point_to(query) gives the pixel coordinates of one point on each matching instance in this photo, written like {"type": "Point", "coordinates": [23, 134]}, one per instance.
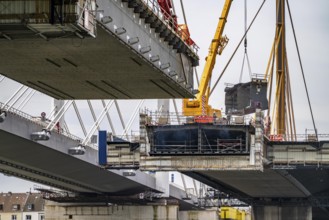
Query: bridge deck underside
{"type": "Point", "coordinates": [73, 68]}
{"type": "Point", "coordinates": [294, 183]}
{"type": "Point", "coordinates": [31, 160]}
{"type": "Point", "coordinates": [252, 183]}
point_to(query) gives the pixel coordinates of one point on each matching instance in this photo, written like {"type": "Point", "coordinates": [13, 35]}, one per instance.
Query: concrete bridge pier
{"type": "Point", "coordinates": [282, 212]}
{"type": "Point", "coordinates": [64, 211]}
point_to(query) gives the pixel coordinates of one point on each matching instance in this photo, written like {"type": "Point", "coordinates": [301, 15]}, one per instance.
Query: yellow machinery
{"type": "Point", "coordinates": [229, 213]}
{"type": "Point", "coordinates": [200, 106]}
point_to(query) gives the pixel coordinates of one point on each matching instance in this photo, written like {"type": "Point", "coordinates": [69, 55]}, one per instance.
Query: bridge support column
{"type": "Point", "coordinates": [282, 212]}
{"type": "Point", "coordinates": [204, 214]}
{"type": "Point", "coordinates": [100, 211]}
{"type": "Point", "coordinates": [64, 211]}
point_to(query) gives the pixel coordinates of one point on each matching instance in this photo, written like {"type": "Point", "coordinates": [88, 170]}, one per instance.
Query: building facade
{"type": "Point", "coordinates": [21, 206]}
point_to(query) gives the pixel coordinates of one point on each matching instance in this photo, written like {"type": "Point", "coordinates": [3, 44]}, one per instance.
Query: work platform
{"type": "Point", "coordinates": [112, 50]}
{"type": "Point", "coordinates": [199, 139]}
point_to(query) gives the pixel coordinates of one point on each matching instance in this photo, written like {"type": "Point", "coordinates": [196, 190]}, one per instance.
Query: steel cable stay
{"type": "Point", "coordinates": [52, 112]}
{"type": "Point", "coordinates": [185, 21]}
{"type": "Point", "coordinates": [13, 96]}
{"type": "Point", "coordinates": [237, 47]}
{"type": "Point", "coordinates": [76, 109]}
{"type": "Point", "coordinates": [18, 98]}
{"type": "Point", "coordinates": [64, 109]}
{"type": "Point", "coordinates": [59, 115]}
{"type": "Point", "coordinates": [302, 69]}
{"type": "Point", "coordinates": [79, 118]}
{"type": "Point", "coordinates": [109, 118]}
{"type": "Point", "coordinates": [26, 100]}
{"type": "Point", "coordinates": [96, 122]}
{"type": "Point", "coordinates": [92, 112]}
{"type": "Point", "coordinates": [245, 54]}
{"type": "Point", "coordinates": [2, 78]}
{"type": "Point", "coordinates": [194, 69]}
{"type": "Point", "coordinates": [99, 119]}
{"type": "Point", "coordinates": [120, 115]}
{"type": "Point", "coordinates": [23, 96]}
{"type": "Point", "coordinates": [66, 127]}
{"type": "Point", "coordinates": [132, 118]}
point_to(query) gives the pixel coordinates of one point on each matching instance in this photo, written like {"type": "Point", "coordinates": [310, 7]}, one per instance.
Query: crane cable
{"type": "Point", "coordinates": [245, 55]}
{"type": "Point", "coordinates": [183, 10]}
{"type": "Point", "coordinates": [302, 69]}
{"type": "Point", "coordinates": [185, 22]}
{"type": "Point", "coordinates": [236, 49]}
{"type": "Point", "coordinates": [180, 56]}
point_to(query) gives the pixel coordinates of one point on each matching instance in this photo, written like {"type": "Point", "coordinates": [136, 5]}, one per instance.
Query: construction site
{"type": "Point", "coordinates": [135, 132]}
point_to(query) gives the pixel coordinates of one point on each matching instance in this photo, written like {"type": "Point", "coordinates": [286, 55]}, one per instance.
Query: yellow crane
{"type": "Point", "coordinates": [200, 105]}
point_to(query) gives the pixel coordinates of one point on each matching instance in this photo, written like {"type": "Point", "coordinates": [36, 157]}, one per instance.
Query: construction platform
{"type": "Point", "coordinates": [236, 157]}
{"type": "Point", "coordinates": [108, 51]}
{"type": "Point", "coordinates": [199, 139]}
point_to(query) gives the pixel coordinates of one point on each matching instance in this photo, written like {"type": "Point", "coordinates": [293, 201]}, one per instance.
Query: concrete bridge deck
{"type": "Point", "coordinates": [49, 163]}
{"type": "Point", "coordinates": [269, 173]}
{"type": "Point", "coordinates": [131, 57]}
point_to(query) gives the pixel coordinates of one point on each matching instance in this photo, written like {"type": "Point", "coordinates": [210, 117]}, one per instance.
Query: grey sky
{"type": "Point", "coordinates": [312, 28]}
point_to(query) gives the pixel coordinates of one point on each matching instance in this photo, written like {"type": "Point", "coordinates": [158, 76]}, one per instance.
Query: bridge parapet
{"type": "Point", "coordinates": [300, 154]}
{"type": "Point", "coordinates": [144, 28]}
{"type": "Point", "coordinates": [197, 163]}
{"type": "Point", "coordinates": [47, 19]}
{"type": "Point", "coordinates": [38, 124]}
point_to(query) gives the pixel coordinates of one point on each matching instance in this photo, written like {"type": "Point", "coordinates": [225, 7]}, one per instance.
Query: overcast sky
{"type": "Point", "coordinates": [312, 29]}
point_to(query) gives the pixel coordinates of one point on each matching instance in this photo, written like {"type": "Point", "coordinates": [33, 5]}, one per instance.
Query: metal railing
{"type": "Point", "coordinates": [42, 123]}
{"type": "Point", "coordinates": [171, 24]}
{"type": "Point", "coordinates": [86, 12]}
{"type": "Point", "coordinates": [298, 137]}
{"type": "Point", "coordinates": [172, 118]}
{"type": "Point", "coordinates": [158, 118]}
{"type": "Point", "coordinates": [170, 148]}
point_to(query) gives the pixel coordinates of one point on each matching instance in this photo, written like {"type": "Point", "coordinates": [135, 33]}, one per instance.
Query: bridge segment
{"type": "Point", "coordinates": [109, 50]}
{"type": "Point", "coordinates": [237, 158]}
{"type": "Point", "coordinates": [49, 163]}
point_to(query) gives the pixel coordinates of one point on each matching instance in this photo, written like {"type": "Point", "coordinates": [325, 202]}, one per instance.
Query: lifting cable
{"type": "Point", "coordinates": [245, 55]}
{"type": "Point", "coordinates": [185, 22]}
{"type": "Point", "coordinates": [183, 10]}
{"type": "Point", "coordinates": [181, 57]}
{"type": "Point", "coordinates": [237, 47]}
{"type": "Point", "coordinates": [302, 69]}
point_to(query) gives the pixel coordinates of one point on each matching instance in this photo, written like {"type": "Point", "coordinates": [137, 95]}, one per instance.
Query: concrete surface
{"type": "Point", "coordinates": [282, 213]}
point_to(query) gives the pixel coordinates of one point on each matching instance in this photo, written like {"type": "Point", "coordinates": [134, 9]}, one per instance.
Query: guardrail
{"type": "Point", "coordinates": [298, 137]}
{"type": "Point", "coordinates": [86, 11]}
{"type": "Point", "coordinates": [171, 118]}
{"type": "Point", "coordinates": [171, 24]}
{"type": "Point", "coordinates": [157, 118]}
{"type": "Point", "coordinates": [42, 123]}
